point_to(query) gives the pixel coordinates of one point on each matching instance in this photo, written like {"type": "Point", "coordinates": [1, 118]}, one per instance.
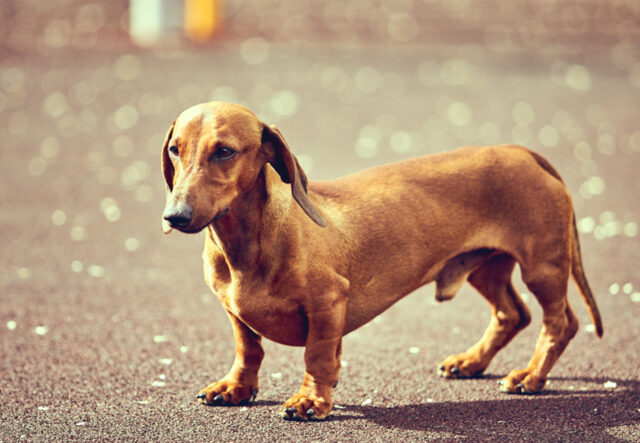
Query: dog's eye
{"type": "Point", "coordinates": [173, 150]}
{"type": "Point", "coordinates": [223, 153]}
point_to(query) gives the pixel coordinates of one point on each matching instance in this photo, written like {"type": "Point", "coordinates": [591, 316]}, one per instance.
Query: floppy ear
{"type": "Point", "coordinates": [167, 165]}
{"type": "Point", "coordinates": [287, 166]}
{"type": "Point", "coordinates": [167, 170]}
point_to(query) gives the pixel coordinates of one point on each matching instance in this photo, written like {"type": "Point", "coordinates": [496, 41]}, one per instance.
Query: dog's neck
{"type": "Point", "coordinates": [250, 236]}
{"type": "Point", "coordinates": [237, 234]}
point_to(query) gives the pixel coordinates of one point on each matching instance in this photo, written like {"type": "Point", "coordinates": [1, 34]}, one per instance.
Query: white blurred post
{"type": "Point", "coordinates": [145, 21]}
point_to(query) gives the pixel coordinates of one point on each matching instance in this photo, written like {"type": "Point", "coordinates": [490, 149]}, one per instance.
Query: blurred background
{"type": "Point", "coordinates": [88, 89]}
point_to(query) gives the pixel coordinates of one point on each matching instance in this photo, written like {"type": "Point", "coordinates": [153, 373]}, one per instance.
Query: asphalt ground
{"type": "Point", "coordinates": [107, 330]}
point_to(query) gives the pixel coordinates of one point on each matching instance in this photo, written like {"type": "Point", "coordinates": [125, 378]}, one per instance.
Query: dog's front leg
{"type": "Point", "coordinates": [322, 361]}
{"type": "Point", "coordinates": [241, 383]}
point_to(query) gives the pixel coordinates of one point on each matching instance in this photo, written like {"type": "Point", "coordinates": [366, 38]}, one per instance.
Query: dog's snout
{"type": "Point", "coordinates": [179, 215]}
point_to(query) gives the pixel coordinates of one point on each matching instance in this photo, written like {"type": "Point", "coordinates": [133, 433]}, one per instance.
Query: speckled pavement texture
{"type": "Point", "coordinates": [108, 332]}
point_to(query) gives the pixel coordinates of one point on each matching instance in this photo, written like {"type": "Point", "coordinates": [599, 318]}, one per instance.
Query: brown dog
{"type": "Point", "coordinates": [309, 271]}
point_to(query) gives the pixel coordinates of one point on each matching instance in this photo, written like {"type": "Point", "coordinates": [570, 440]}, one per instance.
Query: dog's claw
{"type": "Point", "coordinates": [454, 370]}
{"type": "Point", "coordinates": [500, 382]}
{"type": "Point", "coordinates": [218, 399]}
{"type": "Point", "coordinates": [290, 413]}
{"type": "Point", "coordinates": [523, 390]}
{"type": "Point", "coordinates": [201, 395]}
{"type": "Point", "coordinates": [441, 368]}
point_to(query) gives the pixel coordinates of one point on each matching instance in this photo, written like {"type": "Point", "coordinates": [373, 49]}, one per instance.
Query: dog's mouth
{"type": "Point", "coordinates": [220, 214]}
{"type": "Point", "coordinates": [195, 230]}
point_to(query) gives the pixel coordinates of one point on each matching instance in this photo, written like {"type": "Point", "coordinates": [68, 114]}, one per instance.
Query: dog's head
{"type": "Point", "coordinates": [212, 155]}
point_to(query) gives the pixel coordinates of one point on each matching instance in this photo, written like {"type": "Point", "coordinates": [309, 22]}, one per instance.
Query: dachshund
{"type": "Point", "coordinates": [305, 263]}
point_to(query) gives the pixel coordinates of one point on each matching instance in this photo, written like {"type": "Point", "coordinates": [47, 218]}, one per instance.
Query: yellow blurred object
{"type": "Point", "coordinates": [202, 19]}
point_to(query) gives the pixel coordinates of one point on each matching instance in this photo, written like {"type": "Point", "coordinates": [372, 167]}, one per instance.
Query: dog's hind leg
{"type": "Point", "coordinates": [559, 324]}
{"type": "Point", "coordinates": [509, 315]}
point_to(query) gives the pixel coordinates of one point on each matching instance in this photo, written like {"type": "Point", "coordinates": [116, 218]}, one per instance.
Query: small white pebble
{"type": "Point", "coordinates": [143, 402]}
{"type": "Point", "coordinates": [342, 407]}
{"type": "Point", "coordinates": [80, 423]}
{"type": "Point", "coordinates": [414, 350]}
{"type": "Point", "coordinates": [610, 384]}
{"type": "Point", "coordinates": [429, 400]}
{"type": "Point", "coordinates": [162, 376]}
{"type": "Point", "coordinates": [158, 384]}
{"type": "Point", "coordinates": [614, 288]}
{"type": "Point", "coordinates": [635, 297]}
{"type": "Point", "coordinates": [277, 375]}
{"type": "Point", "coordinates": [627, 288]}
{"type": "Point", "coordinates": [165, 361]}
{"type": "Point", "coordinates": [11, 325]}
{"type": "Point", "coordinates": [367, 402]}
{"type": "Point", "coordinates": [160, 339]}
{"type": "Point", "coordinates": [41, 330]}
{"type": "Point", "coordinates": [590, 328]}
{"type": "Point", "coordinates": [344, 363]}
{"type": "Point", "coordinates": [244, 409]}
{"type": "Point", "coordinates": [183, 349]}
{"type": "Point", "coordinates": [43, 408]}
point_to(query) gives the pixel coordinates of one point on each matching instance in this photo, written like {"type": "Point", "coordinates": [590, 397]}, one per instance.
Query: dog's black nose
{"type": "Point", "coordinates": [178, 216]}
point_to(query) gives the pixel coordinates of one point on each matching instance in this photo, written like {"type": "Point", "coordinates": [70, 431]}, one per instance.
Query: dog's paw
{"type": "Point", "coordinates": [303, 408]}
{"type": "Point", "coordinates": [227, 393]}
{"type": "Point", "coordinates": [461, 366]}
{"type": "Point", "coordinates": [521, 381]}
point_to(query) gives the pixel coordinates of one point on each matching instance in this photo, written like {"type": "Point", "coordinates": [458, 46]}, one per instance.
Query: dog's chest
{"type": "Point", "coordinates": [269, 315]}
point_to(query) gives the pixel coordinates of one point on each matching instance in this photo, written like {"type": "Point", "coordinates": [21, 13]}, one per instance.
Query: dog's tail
{"type": "Point", "coordinates": [581, 281]}
{"type": "Point", "coordinates": [577, 271]}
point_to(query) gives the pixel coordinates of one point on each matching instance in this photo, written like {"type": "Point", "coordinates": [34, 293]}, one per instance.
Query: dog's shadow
{"type": "Point", "coordinates": [594, 412]}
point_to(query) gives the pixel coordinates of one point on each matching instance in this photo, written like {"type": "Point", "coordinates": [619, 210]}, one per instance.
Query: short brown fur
{"type": "Point", "coordinates": [307, 270]}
